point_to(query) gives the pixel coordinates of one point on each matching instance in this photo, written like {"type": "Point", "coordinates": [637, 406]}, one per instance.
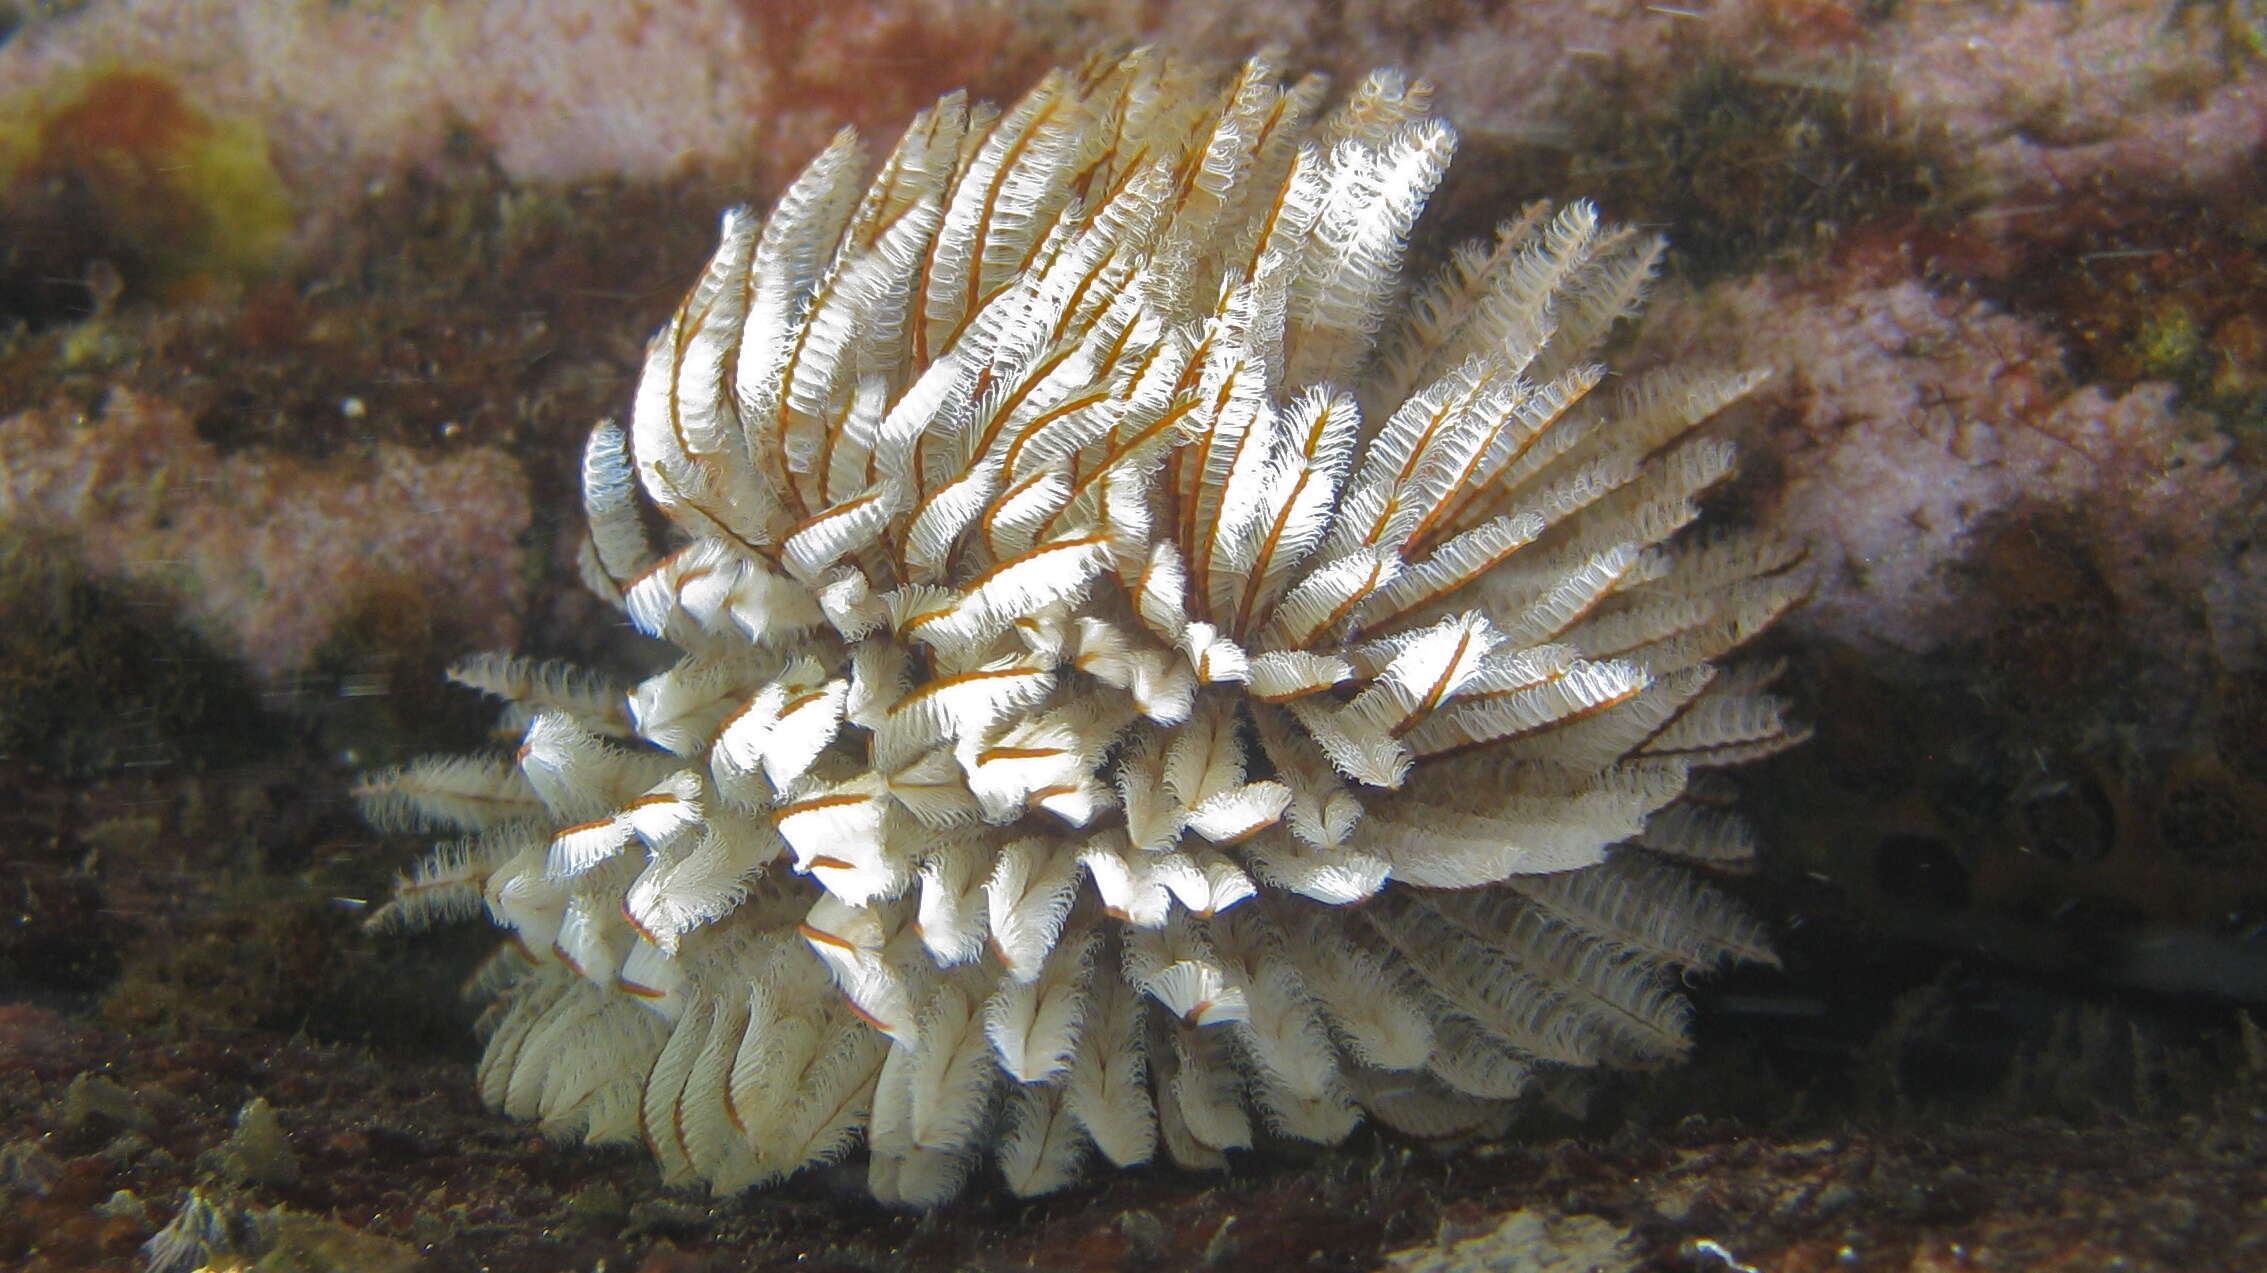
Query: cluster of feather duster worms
{"type": "Point", "coordinates": [1150, 679]}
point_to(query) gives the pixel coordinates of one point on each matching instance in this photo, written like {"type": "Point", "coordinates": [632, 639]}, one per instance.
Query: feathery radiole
{"type": "Point", "coordinates": [1148, 679]}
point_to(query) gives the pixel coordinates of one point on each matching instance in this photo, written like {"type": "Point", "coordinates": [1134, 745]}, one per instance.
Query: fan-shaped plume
{"type": "Point", "coordinates": [1143, 682]}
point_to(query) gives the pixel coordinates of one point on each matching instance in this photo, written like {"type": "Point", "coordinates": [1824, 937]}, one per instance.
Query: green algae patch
{"type": "Point", "coordinates": [120, 173]}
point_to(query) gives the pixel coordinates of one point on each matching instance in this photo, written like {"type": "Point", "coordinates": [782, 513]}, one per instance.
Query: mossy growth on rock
{"type": "Point", "coordinates": [94, 679]}
{"type": "Point", "coordinates": [1747, 166]}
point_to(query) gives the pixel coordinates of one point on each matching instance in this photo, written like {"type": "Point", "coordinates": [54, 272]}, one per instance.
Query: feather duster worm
{"type": "Point", "coordinates": [1147, 682]}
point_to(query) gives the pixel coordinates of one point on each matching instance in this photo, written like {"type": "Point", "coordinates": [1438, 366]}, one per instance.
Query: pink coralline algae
{"type": "Point", "coordinates": [1908, 424]}
{"type": "Point", "coordinates": [2045, 97]}
{"type": "Point", "coordinates": [267, 554]}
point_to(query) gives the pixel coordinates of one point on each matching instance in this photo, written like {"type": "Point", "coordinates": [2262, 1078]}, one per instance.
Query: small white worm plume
{"type": "Point", "coordinates": [1149, 680]}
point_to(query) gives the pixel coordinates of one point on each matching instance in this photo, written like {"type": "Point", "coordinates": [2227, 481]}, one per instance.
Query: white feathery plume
{"type": "Point", "coordinates": [1143, 683]}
